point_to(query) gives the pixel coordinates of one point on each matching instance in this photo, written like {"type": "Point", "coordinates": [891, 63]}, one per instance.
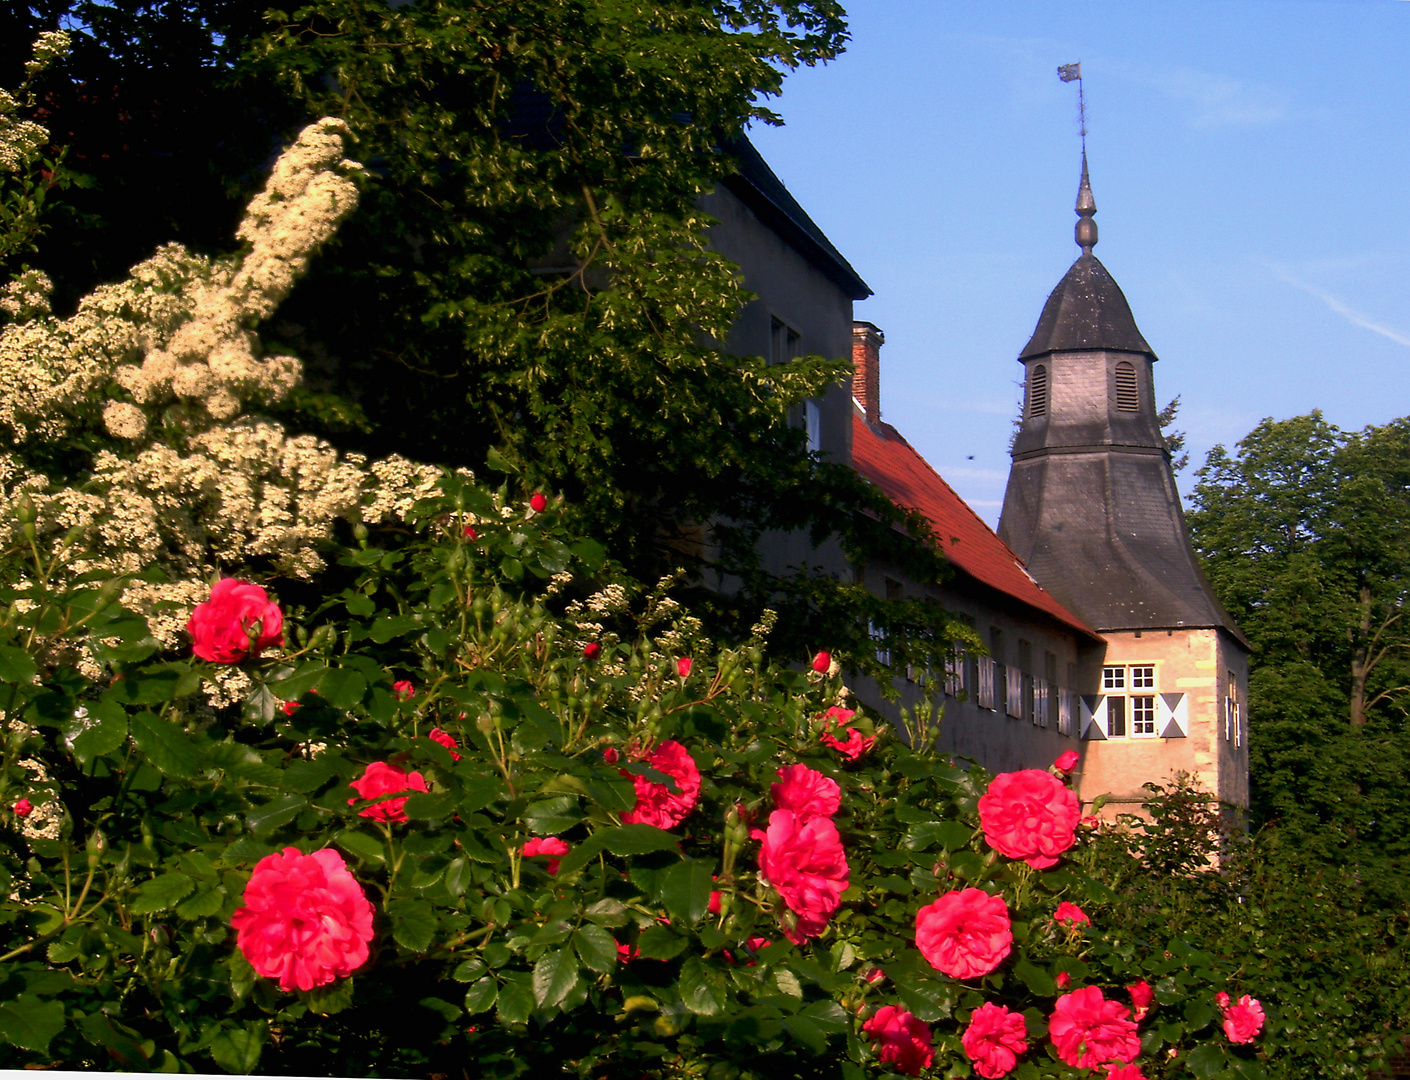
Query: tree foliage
{"type": "Point", "coordinates": [528, 281]}
{"type": "Point", "coordinates": [1302, 534]}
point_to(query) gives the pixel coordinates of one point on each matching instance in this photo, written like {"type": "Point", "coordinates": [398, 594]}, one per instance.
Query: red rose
{"type": "Point", "coordinates": [874, 976]}
{"type": "Point", "coordinates": [1142, 998]}
{"type": "Point", "coordinates": [683, 666]}
{"type": "Point", "coordinates": [822, 662]}
{"type": "Point", "coordinates": [853, 746]}
{"type": "Point", "coordinates": [546, 845]}
{"type": "Point", "coordinates": [306, 920]}
{"type": "Point", "coordinates": [994, 1040]}
{"type": "Point", "coordinates": [592, 650]}
{"type": "Point", "coordinates": [902, 1040]}
{"type": "Point", "coordinates": [222, 627]}
{"type": "Point", "coordinates": [1243, 1021]}
{"type": "Point", "coordinates": [655, 803]}
{"type": "Point", "coordinates": [1221, 999]}
{"type": "Point", "coordinates": [1124, 1072]}
{"type": "Point", "coordinates": [469, 533]}
{"type": "Point", "coordinates": [1066, 761]}
{"type": "Point", "coordinates": [1088, 1030]}
{"type": "Point", "coordinates": [807, 792]}
{"type": "Point", "coordinates": [403, 690]}
{"type": "Point", "coordinates": [1029, 815]}
{"type": "Point", "coordinates": [838, 715]}
{"type": "Point", "coordinates": [1070, 915]}
{"type": "Point", "coordinates": [537, 503]}
{"type": "Point", "coordinates": [714, 905]}
{"type": "Point", "coordinates": [447, 740]}
{"type": "Point", "coordinates": [966, 933]}
{"type": "Point", "coordinates": [290, 707]}
{"type": "Point", "coordinates": [1063, 980]}
{"type": "Point", "coordinates": [24, 808]}
{"type": "Point", "coordinates": [610, 754]}
{"type": "Point", "coordinates": [383, 779]}
{"type": "Point", "coordinates": [805, 862]}
{"type": "Point", "coordinates": [626, 953]}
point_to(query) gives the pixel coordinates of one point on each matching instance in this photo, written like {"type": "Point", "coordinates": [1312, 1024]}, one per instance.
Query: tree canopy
{"type": "Point", "coordinates": [1302, 533]}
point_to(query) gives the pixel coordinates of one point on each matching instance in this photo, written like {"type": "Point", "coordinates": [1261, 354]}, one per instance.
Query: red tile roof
{"type": "Point", "coordinates": [882, 456]}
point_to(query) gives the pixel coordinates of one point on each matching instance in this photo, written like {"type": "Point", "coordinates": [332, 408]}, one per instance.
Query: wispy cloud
{"type": "Point", "coordinates": [1212, 100]}
{"type": "Point", "coordinates": [1345, 310]}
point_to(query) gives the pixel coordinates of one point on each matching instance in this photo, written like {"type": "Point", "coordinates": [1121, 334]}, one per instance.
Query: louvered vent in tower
{"type": "Point", "coordinates": [1127, 398]}
{"type": "Point", "coordinates": [1038, 391]}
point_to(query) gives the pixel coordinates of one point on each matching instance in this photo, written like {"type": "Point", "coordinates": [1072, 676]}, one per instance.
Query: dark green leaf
{"type": "Point", "coordinates": [660, 943]}
{"type": "Point", "coordinates": [636, 839]}
{"type": "Point", "coordinates": [161, 892]}
{"type": "Point", "coordinates": [16, 665]}
{"type": "Point", "coordinates": [342, 688]}
{"type": "Point", "coordinates": [281, 810]}
{"type": "Point", "coordinates": [685, 890]}
{"type": "Point", "coordinates": [413, 923]}
{"type": "Point", "coordinates": [237, 1050]}
{"type": "Point", "coordinates": [367, 848]}
{"type": "Point", "coordinates": [702, 992]}
{"type": "Point", "coordinates": [555, 975]}
{"type": "Point", "coordinates": [30, 1023]}
{"type": "Point", "coordinates": [596, 948]}
{"type": "Point", "coordinates": [480, 995]}
{"type": "Point", "coordinates": [1207, 1060]}
{"type": "Point", "coordinates": [106, 731]}
{"type": "Point", "coordinates": [166, 746]}
{"type": "Point", "coordinates": [516, 1000]}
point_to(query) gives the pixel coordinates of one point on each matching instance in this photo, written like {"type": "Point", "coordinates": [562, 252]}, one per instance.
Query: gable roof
{"type": "Point", "coordinates": [881, 455]}
{"type": "Point", "coordinates": [763, 192]}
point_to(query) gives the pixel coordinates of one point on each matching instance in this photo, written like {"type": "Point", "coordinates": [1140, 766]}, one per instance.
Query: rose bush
{"type": "Point", "coordinates": [544, 861]}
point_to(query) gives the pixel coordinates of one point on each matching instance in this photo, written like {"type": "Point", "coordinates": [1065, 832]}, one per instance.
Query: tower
{"type": "Point", "coordinates": [1092, 510]}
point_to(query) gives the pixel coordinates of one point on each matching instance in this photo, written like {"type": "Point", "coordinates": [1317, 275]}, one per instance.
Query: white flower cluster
{"type": "Point", "coordinates": [159, 367]}
{"type": "Point", "coordinates": [21, 140]}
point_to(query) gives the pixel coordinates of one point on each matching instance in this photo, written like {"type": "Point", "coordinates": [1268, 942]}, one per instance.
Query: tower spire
{"type": "Point", "coordinates": [1086, 231]}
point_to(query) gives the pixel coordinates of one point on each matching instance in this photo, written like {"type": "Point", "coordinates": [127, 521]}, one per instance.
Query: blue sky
{"type": "Point", "coordinates": [1251, 166]}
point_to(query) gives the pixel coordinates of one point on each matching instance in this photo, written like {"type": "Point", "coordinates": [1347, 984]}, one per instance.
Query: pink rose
{"type": "Point", "coordinates": [1124, 1072]}
{"type": "Point", "coordinates": [965, 933]}
{"type": "Point", "coordinates": [655, 803]}
{"type": "Point", "coordinates": [1063, 980]}
{"type": "Point", "coordinates": [546, 845]}
{"type": "Point", "coordinates": [306, 920]}
{"type": "Point", "coordinates": [1029, 815]}
{"type": "Point", "coordinates": [626, 953]}
{"type": "Point", "coordinates": [714, 905]}
{"type": "Point", "coordinates": [1088, 1031]}
{"type": "Point", "coordinates": [447, 740]}
{"type": "Point", "coordinates": [853, 746]}
{"type": "Point", "coordinates": [994, 1040]}
{"type": "Point", "coordinates": [592, 650]}
{"type": "Point", "coordinates": [807, 792]}
{"type": "Point", "coordinates": [683, 666]}
{"type": "Point", "coordinates": [1142, 998]}
{"type": "Point", "coordinates": [290, 707]}
{"type": "Point", "coordinates": [383, 779]}
{"type": "Point", "coordinates": [1221, 999]}
{"type": "Point", "coordinates": [1244, 1020]}
{"type": "Point", "coordinates": [838, 715]}
{"type": "Point", "coordinates": [805, 862]}
{"type": "Point", "coordinates": [403, 690]}
{"type": "Point", "coordinates": [874, 976]}
{"type": "Point", "coordinates": [24, 808]}
{"type": "Point", "coordinates": [902, 1040]}
{"type": "Point", "coordinates": [469, 533]}
{"type": "Point", "coordinates": [611, 754]}
{"type": "Point", "coordinates": [1070, 915]}
{"type": "Point", "coordinates": [822, 662]}
{"type": "Point", "coordinates": [238, 620]}
{"type": "Point", "coordinates": [1066, 761]}
{"type": "Point", "coordinates": [537, 503]}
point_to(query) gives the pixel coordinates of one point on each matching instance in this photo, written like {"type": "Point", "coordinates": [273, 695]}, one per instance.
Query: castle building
{"type": "Point", "coordinates": [1101, 633]}
{"type": "Point", "coordinates": [1092, 510]}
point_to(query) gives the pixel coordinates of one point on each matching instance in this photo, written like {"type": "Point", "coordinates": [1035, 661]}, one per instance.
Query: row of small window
{"type": "Point", "coordinates": [1021, 695]}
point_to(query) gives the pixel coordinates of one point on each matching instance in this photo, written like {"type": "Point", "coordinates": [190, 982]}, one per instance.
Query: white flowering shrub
{"type": "Point", "coordinates": [131, 426]}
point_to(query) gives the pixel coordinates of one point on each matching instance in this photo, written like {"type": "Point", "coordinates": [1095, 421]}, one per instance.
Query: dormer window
{"type": "Point", "coordinates": [1038, 391]}
{"type": "Point", "coordinates": [1128, 399]}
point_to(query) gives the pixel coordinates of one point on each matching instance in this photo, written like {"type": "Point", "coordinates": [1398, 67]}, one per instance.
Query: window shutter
{"type": "Point", "coordinates": [1128, 398]}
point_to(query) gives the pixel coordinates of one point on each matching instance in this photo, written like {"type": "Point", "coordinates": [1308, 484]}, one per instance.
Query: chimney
{"type": "Point", "coordinates": [866, 359]}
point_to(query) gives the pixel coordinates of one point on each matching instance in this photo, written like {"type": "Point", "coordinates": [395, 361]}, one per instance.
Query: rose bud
{"type": "Point", "coordinates": [822, 662]}
{"type": "Point", "coordinates": [537, 503]}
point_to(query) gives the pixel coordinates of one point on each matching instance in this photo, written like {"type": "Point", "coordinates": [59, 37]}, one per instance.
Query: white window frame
{"type": "Point", "coordinates": [986, 683]}
{"type": "Point", "coordinates": [812, 425]}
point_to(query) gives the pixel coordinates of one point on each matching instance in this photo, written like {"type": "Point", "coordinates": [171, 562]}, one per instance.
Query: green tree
{"type": "Point", "coordinates": [528, 283]}
{"type": "Point", "coordinates": [1302, 534]}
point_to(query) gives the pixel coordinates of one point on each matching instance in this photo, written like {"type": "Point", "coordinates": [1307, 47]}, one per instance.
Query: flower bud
{"type": "Point", "coordinates": [25, 510]}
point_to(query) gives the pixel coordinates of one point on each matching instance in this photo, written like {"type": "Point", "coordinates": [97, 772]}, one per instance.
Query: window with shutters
{"type": "Point", "coordinates": [1131, 709]}
{"type": "Point", "coordinates": [1038, 391]}
{"type": "Point", "coordinates": [1128, 398]}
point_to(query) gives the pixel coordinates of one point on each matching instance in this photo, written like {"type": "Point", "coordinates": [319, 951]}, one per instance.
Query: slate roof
{"type": "Point", "coordinates": [881, 455]}
{"type": "Point", "coordinates": [1086, 311]}
{"type": "Point", "coordinates": [758, 188]}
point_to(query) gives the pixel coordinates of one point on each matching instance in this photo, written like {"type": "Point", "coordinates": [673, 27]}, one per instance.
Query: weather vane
{"type": "Point", "coordinates": [1067, 73]}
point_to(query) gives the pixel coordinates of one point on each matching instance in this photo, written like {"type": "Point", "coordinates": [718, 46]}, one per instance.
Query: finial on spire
{"type": "Point", "coordinates": [1086, 205]}
{"type": "Point", "coordinates": [1086, 232]}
